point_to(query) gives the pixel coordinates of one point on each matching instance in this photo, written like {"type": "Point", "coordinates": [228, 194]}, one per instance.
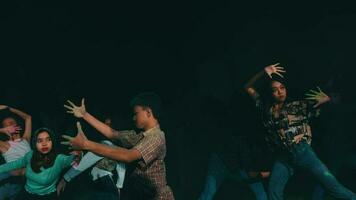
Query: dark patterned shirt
{"type": "Point", "coordinates": [293, 119]}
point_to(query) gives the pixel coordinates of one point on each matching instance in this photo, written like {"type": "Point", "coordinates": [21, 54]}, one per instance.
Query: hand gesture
{"type": "Point", "coordinates": [275, 69]}
{"type": "Point", "coordinates": [77, 111]}
{"type": "Point", "coordinates": [77, 142]}
{"type": "Point", "coordinates": [11, 129]}
{"type": "Point", "coordinates": [319, 96]}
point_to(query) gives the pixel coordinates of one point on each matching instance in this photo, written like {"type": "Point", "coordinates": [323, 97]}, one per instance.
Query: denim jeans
{"type": "Point", "coordinates": [217, 172]}
{"type": "Point", "coordinates": [349, 161]}
{"type": "Point", "coordinates": [8, 190]}
{"type": "Point", "coordinates": [303, 156]}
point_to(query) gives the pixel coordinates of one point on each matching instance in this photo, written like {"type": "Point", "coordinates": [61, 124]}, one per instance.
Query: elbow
{"type": "Point", "coordinates": [249, 89]}
{"type": "Point", "coordinates": [28, 117]}
{"type": "Point", "coordinates": [129, 157]}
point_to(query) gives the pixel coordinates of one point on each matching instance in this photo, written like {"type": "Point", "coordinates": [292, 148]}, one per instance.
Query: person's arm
{"type": "Point", "coordinates": [4, 146]}
{"type": "Point", "coordinates": [106, 130]}
{"type": "Point", "coordinates": [115, 153]}
{"type": "Point", "coordinates": [20, 163]}
{"type": "Point", "coordinates": [269, 70]}
{"type": "Point", "coordinates": [10, 129]}
{"type": "Point", "coordinates": [28, 122]}
{"type": "Point", "coordinates": [80, 112]}
{"type": "Point", "coordinates": [249, 86]}
{"type": "Point", "coordinates": [80, 142]}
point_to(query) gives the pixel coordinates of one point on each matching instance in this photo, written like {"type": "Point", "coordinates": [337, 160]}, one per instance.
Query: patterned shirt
{"type": "Point", "coordinates": [293, 119]}
{"type": "Point", "coordinates": [150, 171]}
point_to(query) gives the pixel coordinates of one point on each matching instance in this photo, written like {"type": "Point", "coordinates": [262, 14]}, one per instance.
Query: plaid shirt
{"type": "Point", "coordinates": [150, 170]}
{"type": "Point", "coordinates": [293, 119]}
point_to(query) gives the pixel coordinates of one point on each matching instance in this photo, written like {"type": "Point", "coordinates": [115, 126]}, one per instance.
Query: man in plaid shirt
{"type": "Point", "coordinates": [148, 180]}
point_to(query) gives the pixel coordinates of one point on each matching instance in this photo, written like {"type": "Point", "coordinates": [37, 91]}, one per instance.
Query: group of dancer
{"type": "Point", "coordinates": [37, 159]}
{"type": "Point", "coordinates": [34, 161]}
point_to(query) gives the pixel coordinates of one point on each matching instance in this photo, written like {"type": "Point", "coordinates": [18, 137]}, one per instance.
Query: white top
{"type": "Point", "coordinates": [89, 160]}
{"type": "Point", "coordinates": [18, 149]}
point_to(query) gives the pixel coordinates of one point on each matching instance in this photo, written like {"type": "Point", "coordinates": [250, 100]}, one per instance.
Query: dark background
{"type": "Point", "coordinates": [195, 54]}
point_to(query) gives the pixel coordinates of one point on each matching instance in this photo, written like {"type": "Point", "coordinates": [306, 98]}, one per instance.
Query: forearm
{"type": "Point", "coordinates": [12, 165]}
{"type": "Point", "coordinates": [106, 130]}
{"type": "Point", "coordinates": [254, 79]}
{"type": "Point", "coordinates": [115, 153]}
{"type": "Point", "coordinates": [3, 131]}
{"type": "Point", "coordinates": [249, 86]}
{"type": "Point", "coordinates": [23, 115]}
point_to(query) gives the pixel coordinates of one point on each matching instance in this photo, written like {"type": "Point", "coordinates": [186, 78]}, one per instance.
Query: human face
{"type": "Point", "coordinates": [141, 116]}
{"type": "Point", "coordinates": [44, 142]}
{"type": "Point", "coordinates": [9, 121]}
{"type": "Point", "coordinates": [279, 92]}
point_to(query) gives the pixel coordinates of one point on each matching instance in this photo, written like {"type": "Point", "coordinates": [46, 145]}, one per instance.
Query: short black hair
{"type": "Point", "coordinates": [150, 100]}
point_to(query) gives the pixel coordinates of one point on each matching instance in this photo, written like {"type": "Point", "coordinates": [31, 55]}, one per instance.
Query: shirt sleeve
{"type": "Point", "coordinates": [87, 161]}
{"type": "Point", "coordinates": [66, 161]}
{"type": "Point", "coordinates": [20, 163]}
{"type": "Point", "coordinates": [150, 147]}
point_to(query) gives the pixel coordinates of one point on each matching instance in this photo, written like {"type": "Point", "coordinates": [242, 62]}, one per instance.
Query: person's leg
{"type": "Point", "coordinates": [14, 190]}
{"type": "Point", "coordinates": [8, 189]}
{"type": "Point", "coordinates": [307, 159]}
{"type": "Point", "coordinates": [256, 187]}
{"type": "Point", "coordinates": [216, 175]}
{"type": "Point", "coordinates": [281, 172]}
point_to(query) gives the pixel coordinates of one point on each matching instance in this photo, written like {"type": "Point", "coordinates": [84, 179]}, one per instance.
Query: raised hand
{"type": "Point", "coordinates": [275, 69]}
{"type": "Point", "coordinates": [77, 111]}
{"type": "Point", "coordinates": [10, 129]}
{"type": "Point", "coordinates": [319, 96]}
{"type": "Point", "coordinates": [77, 142]}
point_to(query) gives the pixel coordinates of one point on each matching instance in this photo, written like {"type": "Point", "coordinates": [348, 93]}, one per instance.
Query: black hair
{"type": "Point", "coordinates": [38, 159]}
{"type": "Point", "coordinates": [150, 100]}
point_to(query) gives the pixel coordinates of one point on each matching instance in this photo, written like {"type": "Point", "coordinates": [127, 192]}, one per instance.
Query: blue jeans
{"type": "Point", "coordinates": [217, 172]}
{"type": "Point", "coordinates": [8, 190]}
{"type": "Point", "coordinates": [303, 156]}
{"type": "Point", "coordinates": [349, 161]}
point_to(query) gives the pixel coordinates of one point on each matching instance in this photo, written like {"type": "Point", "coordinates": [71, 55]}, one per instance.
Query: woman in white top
{"type": "Point", "coordinates": [13, 149]}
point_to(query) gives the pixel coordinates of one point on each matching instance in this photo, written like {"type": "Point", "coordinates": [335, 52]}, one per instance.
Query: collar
{"type": "Point", "coordinates": [147, 132]}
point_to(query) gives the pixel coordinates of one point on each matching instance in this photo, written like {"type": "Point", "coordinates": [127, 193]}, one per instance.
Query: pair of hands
{"type": "Point", "coordinates": [77, 142]}
{"type": "Point", "coordinates": [315, 95]}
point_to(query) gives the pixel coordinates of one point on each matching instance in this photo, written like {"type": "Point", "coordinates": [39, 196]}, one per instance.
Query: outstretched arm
{"type": "Point", "coordinates": [269, 70]}
{"type": "Point", "coordinates": [80, 142]}
{"type": "Point", "coordinates": [80, 112]}
{"type": "Point", "coordinates": [20, 163]}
